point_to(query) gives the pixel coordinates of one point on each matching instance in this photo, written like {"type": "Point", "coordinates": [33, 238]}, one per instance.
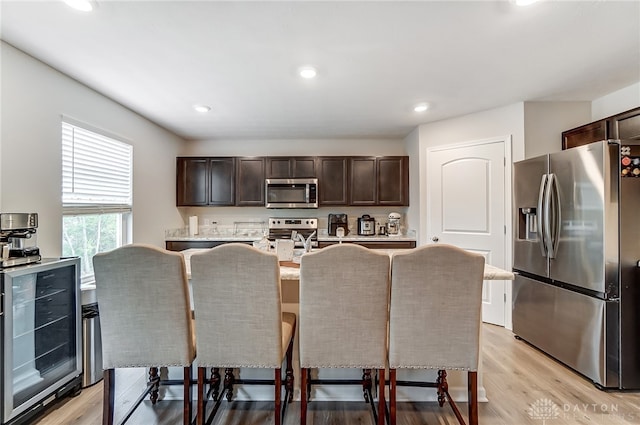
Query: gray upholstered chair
{"type": "Point", "coordinates": [435, 317]}
{"type": "Point", "coordinates": [240, 323]}
{"type": "Point", "coordinates": [344, 295]}
{"type": "Point", "coordinates": [143, 296]}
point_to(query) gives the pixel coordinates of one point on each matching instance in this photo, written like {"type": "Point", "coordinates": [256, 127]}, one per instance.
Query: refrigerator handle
{"type": "Point", "coordinates": [557, 216]}
{"type": "Point", "coordinates": [550, 216]}
{"type": "Point", "coordinates": [540, 227]}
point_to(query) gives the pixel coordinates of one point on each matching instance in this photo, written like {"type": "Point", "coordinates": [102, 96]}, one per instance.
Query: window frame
{"type": "Point", "coordinates": [92, 208]}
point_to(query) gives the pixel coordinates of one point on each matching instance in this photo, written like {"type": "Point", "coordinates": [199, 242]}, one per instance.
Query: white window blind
{"type": "Point", "coordinates": [96, 170]}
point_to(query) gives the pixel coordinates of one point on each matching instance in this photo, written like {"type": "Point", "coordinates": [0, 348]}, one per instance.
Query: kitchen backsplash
{"type": "Point", "coordinates": [227, 220]}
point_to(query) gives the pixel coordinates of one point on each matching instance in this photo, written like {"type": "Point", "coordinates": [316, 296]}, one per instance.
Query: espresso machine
{"type": "Point", "coordinates": [15, 230]}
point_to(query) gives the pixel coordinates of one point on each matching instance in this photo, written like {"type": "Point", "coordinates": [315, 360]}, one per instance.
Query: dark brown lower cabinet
{"type": "Point", "coordinates": [182, 245]}
{"type": "Point", "coordinates": [375, 245]}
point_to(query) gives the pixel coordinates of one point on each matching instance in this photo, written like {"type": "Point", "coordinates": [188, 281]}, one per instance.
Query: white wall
{"type": "Point", "coordinates": [294, 147]}
{"type": "Point", "coordinates": [34, 98]}
{"type": "Point", "coordinates": [616, 102]}
{"type": "Point", "coordinates": [544, 123]}
{"type": "Point", "coordinates": [412, 145]}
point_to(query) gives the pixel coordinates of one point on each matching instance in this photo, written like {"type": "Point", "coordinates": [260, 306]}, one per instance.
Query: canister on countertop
{"type": "Point", "coordinates": [366, 225]}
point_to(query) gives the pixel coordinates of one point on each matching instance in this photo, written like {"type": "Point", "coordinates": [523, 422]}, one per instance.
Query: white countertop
{"type": "Point", "coordinates": [293, 273]}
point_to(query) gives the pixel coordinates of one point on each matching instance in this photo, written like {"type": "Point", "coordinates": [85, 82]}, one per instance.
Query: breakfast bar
{"type": "Point", "coordinates": [289, 271]}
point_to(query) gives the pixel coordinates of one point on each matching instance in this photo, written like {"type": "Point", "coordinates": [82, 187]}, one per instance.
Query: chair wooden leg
{"type": "Point", "coordinates": [228, 382]}
{"type": "Point", "coordinates": [202, 396]}
{"type": "Point", "coordinates": [154, 381]}
{"type": "Point", "coordinates": [108, 396]}
{"type": "Point", "coordinates": [443, 386]}
{"type": "Point", "coordinates": [188, 396]}
{"type": "Point", "coordinates": [304, 376]}
{"type": "Point", "coordinates": [367, 384]}
{"type": "Point", "coordinates": [392, 397]}
{"type": "Point", "coordinates": [472, 378]}
{"type": "Point", "coordinates": [382, 404]}
{"type": "Point", "coordinates": [278, 397]}
{"type": "Point", "coordinates": [215, 382]}
{"type": "Point", "coordinates": [289, 380]}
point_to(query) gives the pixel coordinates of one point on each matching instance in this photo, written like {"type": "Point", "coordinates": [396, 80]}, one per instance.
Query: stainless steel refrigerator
{"type": "Point", "coordinates": [576, 295]}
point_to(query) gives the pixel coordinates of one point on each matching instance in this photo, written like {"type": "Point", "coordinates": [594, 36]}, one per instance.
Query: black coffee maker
{"type": "Point", "coordinates": [336, 221]}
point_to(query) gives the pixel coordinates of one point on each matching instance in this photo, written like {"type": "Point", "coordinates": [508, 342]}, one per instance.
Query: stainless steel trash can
{"type": "Point", "coordinates": [91, 338]}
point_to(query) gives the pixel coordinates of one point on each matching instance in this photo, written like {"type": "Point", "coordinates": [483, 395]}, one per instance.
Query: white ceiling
{"type": "Point", "coordinates": [376, 59]}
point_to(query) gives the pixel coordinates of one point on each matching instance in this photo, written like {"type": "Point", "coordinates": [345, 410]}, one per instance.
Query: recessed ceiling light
{"type": "Point", "coordinates": [421, 107]}
{"type": "Point", "coordinates": [202, 108]}
{"type": "Point", "coordinates": [308, 72]}
{"type": "Point", "coordinates": [81, 5]}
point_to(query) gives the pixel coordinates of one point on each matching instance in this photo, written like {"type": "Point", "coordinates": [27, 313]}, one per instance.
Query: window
{"type": "Point", "coordinates": [96, 194]}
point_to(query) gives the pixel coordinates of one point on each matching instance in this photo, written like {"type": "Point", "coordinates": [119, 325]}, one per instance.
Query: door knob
{"type": "Point", "coordinates": [435, 239]}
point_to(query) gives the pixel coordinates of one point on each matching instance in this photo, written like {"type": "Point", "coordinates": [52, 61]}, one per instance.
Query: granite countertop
{"type": "Point", "coordinates": [256, 235]}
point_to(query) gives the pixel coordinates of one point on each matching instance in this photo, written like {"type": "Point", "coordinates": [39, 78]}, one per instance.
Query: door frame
{"type": "Point", "coordinates": [507, 141]}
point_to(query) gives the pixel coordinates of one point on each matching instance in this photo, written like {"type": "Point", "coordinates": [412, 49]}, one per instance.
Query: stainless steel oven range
{"type": "Point", "coordinates": [290, 228]}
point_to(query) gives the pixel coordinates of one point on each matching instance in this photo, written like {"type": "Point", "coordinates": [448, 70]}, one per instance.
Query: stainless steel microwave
{"type": "Point", "coordinates": [291, 193]}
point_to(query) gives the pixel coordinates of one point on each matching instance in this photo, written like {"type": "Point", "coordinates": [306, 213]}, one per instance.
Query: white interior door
{"type": "Point", "coordinates": [466, 207]}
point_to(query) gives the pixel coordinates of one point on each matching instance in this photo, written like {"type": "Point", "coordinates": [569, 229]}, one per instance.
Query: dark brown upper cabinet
{"type": "Point", "coordinates": [332, 180]}
{"type": "Point", "coordinates": [192, 181]}
{"type": "Point", "coordinates": [625, 125]}
{"type": "Point", "coordinates": [222, 179]}
{"type": "Point", "coordinates": [379, 181]}
{"type": "Point", "coordinates": [205, 181]}
{"type": "Point", "coordinates": [393, 181]}
{"type": "Point", "coordinates": [363, 184]}
{"type": "Point", "coordinates": [250, 175]}
{"type": "Point", "coordinates": [356, 180]}
{"type": "Point", "coordinates": [280, 167]}
{"type": "Point", "coordinates": [585, 134]}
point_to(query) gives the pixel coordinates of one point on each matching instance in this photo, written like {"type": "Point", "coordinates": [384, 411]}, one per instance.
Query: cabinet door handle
{"type": "Point", "coordinates": [435, 239]}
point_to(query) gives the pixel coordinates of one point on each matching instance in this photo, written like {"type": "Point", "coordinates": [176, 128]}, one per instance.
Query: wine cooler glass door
{"type": "Point", "coordinates": [41, 333]}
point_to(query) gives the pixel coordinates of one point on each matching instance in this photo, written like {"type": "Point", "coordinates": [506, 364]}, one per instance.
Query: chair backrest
{"type": "Point", "coordinates": [143, 299]}
{"type": "Point", "coordinates": [237, 304]}
{"type": "Point", "coordinates": [344, 293]}
{"type": "Point", "coordinates": [435, 308]}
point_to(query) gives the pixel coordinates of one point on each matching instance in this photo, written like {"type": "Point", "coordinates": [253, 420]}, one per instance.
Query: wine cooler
{"type": "Point", "coordinates": [40, 336]}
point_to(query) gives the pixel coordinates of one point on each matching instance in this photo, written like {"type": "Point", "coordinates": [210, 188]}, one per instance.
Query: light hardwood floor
{"type": "Point", "coordinates": [524, 386]}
